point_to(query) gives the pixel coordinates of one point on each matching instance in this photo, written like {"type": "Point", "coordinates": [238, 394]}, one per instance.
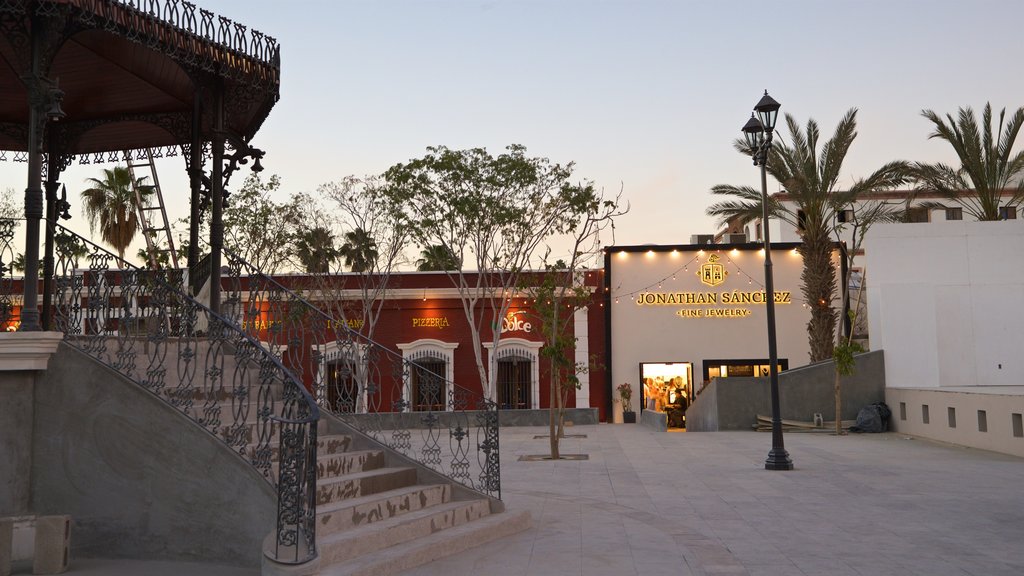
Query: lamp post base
{"type": "Point", "coordinates": [778, 459]}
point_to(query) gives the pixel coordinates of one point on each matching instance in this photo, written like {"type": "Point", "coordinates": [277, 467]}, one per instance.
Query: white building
{"type": "Point", "coordinates": [679, 316]}
{"type": "Point", "coordinates": [945, 308]}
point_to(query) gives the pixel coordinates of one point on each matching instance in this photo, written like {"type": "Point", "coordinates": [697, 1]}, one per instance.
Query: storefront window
{"type": "Point", "coordinates": [514, 376]}
{"type": "Point", "coordinates": [428, 386]}
{"type": "Point", "coordinates": [739, 368]}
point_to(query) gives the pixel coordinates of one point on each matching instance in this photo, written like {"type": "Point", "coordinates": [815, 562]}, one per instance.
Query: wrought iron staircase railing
{"type": "Point", "coordinates": [401, 402]}
{"type": "Point", "coordinates": [143, 324]}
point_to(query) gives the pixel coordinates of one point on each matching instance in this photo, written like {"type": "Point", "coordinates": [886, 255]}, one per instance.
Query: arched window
{"type": "Point", "coordinates": [516, 373]}
{"type": "Point", "coordinates": [430, 372]}
{"type": "Point", "coordinates": [343, 377]}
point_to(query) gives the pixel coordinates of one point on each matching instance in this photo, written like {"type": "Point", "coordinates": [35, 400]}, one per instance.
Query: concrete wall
{"type": "Point", "coordinates": [15, 441]}
{"type": "Point", "coordinates": [734, 403]}
{"type": "Point", "coordinates": [944, 302]}
{"type": "Point", "coordinates": [138, 478]}
{"type": "Point", "coordinates": [981, 418]}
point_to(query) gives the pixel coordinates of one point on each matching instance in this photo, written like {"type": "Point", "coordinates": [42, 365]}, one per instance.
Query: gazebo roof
{"type": "Point", "coordinates": [131, 72]}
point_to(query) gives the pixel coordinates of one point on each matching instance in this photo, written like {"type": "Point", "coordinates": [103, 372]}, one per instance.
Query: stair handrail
{"type": "Point", "coordinates": [387, 416]}
{"type": "Point", "coordinates": [116, 314]}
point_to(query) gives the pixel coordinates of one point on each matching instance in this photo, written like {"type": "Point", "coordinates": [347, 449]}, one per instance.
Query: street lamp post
{"type": "Point", "coordinates": [758, 132]}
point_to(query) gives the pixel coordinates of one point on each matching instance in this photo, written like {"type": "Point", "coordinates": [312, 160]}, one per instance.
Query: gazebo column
{"type": "Point", "coordinates": [39, 100]}
{"type": "Point", "coordinates": [217, 198]}
{"type": "Point", "coordinates": [195, 174]}
{"type": "Point", "coordinates": [53, 169]}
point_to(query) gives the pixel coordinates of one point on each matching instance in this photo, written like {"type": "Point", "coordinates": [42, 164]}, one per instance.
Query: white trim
{"type": "Point", "coordinates": [581, 329]}
{"type": "Point", "coordinates": [528, 348]}
{"type": "Point", "coordinates": [27, 350]}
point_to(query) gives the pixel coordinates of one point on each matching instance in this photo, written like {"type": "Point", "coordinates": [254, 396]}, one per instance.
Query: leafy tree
{"type": "Point", "coordinates": [988, 166]}
{"type": "Point", "coordinates": [810, 178]}
{"type": "Point", "coordinates": [110, 205]}
{"type": "Point", "coordinates": [359, 250]}
{"type": "Point", "coordinates": [437, 258]}
{"type": "Point", "coordinates": [562, 292]}
{"type": "Point", "coordinates": [256, 227]}
{"type": "Point", "coordinates": [491, 212]}
{"type": "Point", "coordinates": [315, 250]}
{"type": "Point", "coordinates": [373, 249]}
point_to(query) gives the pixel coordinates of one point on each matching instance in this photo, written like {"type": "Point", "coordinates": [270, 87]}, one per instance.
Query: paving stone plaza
{"type": "Point", "coordinates": [702, 504]}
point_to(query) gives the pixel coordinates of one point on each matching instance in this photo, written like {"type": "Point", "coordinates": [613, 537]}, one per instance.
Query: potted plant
{"type": "Point", "coordinates": [625, 391]}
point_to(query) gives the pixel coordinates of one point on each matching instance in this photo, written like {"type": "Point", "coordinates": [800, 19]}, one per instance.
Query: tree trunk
{"type": "Point", "coordinates": [819, 287]}
{"type": "Point", "coordinates": [553, 417]}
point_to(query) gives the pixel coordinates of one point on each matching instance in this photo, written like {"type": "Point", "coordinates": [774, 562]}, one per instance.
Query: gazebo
{"type": "Point", "coordinates": [107, 80]}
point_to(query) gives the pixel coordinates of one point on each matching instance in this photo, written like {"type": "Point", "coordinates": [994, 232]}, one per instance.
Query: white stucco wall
{"type": "Point", "coordinates": [657, 333]}
{"type": "Point", "coordinates": [944, 302]}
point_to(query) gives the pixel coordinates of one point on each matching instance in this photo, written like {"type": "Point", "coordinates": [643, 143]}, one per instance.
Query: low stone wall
{"type": "Point", "coordinates": [734, 403]}
{"type": "Point", "coordinates": [989, 418]}
{"type": "Point", "coordinates": [657, 421]}
{"type": "Point", "coordinates": [415, 420]}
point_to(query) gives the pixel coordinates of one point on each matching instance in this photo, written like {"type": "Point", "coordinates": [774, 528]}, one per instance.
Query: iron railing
{"type": "Point", "coordinates": [142, 324]}
{"type": "Point", "coordinates": [405, 403]}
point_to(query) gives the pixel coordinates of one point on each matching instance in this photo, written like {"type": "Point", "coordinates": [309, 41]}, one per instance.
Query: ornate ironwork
{"type": "Point", "coordinates": [405, 403]}
{"type": "Point", "coordinates": [10, 316]}
{"type": "Point", "coordinates": [142, 324]}
{"type": "Point", "coordinates": [193, 37]}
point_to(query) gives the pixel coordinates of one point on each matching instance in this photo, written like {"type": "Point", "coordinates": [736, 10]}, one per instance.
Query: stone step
{"type": "Point", "coordinates": [440, 544]}
{"type": "Point", "coordinates": [250, 430]}
{"type": "Point", "coordinates": [326, 445]}
{"type": "Point", "coordinates": [362, 484]}
{"type": "Point", "coordinates": [350, 544]}
{"type": "Point", "coordinates": [354, 512]}
{"type": "Point", "coordinates": [340, 464]}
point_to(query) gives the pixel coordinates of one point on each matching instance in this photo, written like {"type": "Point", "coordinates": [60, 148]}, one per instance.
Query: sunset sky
{"type": "Point", "coordinates": [642, 95]}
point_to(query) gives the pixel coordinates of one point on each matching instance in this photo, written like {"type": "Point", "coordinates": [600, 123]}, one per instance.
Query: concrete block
{"type": "Point", "coordinates": [6, 534]}
{"type": "Point", "coordinates": [53, 537]}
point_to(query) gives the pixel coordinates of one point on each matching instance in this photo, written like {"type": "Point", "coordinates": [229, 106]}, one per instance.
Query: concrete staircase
{"type": "Point", "coordinates": [379, 513]}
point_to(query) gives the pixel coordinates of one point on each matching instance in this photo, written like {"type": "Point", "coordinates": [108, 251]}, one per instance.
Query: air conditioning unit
{"type": "Point", "coordinates": [702, 238]}
{"type": "Point", "coordinates": [736, 238]}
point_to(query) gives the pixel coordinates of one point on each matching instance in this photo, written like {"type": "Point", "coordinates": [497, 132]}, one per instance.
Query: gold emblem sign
{"type": "Point", "coordinates": [711, 272]}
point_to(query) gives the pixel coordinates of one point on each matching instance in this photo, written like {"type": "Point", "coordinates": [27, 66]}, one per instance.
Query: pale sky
{"type": "Point", "coordinates": [642, 94]}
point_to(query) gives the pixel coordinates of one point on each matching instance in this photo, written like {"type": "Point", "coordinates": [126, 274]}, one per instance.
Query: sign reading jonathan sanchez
{"type": "Point", "coordinates": [712, 304]}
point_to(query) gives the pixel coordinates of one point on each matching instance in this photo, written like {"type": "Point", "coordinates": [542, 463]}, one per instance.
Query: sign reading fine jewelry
{"type": "Point", "coordinates": [711, 299]}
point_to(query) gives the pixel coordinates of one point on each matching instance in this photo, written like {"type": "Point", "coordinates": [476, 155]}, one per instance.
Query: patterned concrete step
{"type": "Point", "coordinates": [350, 544]}
{"type": "Point", "coordinates": [429, 548]}
{"type": "Point", "coordinates": [250, 430]}
{"type": "Point", "coordinates": [333, 443]}
{"type": "Point", "coordinates": [326, 444]}
{"type": "Point", "coordinates": [333, 465]}
{"type": "Point", "coordinates": [354, 512]}
{"type": "Point", "coordinates": [362, 484]}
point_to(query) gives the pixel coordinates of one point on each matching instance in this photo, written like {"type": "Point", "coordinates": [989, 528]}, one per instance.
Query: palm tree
{"type": "Point", "coordinates": [315, 249]}
{"type": "Point", "coordinates": [359, 250]}
{"type": "Point", "coordinates": [437, 258]}
{"type": "Point", "coordinates": [110, 205]}
{"type": "Point", "coordinates": [987, 167]}
{"type": "Point", "coordinates": [810, 178]}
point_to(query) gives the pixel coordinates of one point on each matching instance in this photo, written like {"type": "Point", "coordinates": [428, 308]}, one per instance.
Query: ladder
{"type": "Point", "coordinates": [153, 225]}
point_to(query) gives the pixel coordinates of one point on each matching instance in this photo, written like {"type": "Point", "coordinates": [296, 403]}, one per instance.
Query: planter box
{"type": "Point", "coordinates": [629, 417]}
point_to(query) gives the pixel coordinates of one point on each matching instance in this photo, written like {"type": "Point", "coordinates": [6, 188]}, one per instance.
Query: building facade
{"type": "Point", "coordinates": [679, 316]}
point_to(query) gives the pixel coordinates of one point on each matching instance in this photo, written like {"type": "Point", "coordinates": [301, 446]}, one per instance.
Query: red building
{"type": "Point", "coordinates": [422, 318]}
